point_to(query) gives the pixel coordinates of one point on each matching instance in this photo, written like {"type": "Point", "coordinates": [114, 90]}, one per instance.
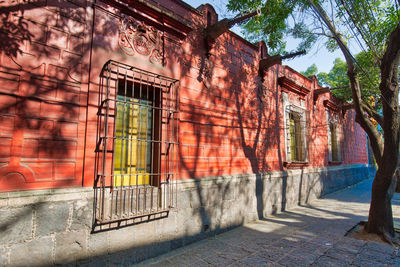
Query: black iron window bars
{"type": "Point", "coordinates": [137, 140]}
{"type": "Point", "coordinates": [296, 133]}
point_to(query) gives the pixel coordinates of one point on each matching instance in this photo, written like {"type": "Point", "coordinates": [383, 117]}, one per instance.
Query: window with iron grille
{"type": "Point", "coordinates": [296, 138]}
{"type": "Point", "coordinates": [296, 134]}
{"type": "Point", "coordinates": [137, 138]}
{"type": "Point", "coordinates": [334, 142]}
{"type": "Point", "coordinates": [334, 138]}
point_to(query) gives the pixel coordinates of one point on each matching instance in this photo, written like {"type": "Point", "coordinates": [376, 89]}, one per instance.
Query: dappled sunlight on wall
{"type": "Point", "coordinates": [44, 112]}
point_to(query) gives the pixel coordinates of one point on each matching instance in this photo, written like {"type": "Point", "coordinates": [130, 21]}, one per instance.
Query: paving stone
{"type": "Point", "coordinates": [217, 260]}
{"type": "Point", "coordinates": [374, 255]}
{"type": "Point", "coordinates": [232, 252]}
{"type": "Point", "coordinates": [310, 257]}
{"type": "Point", "coordinates": [305, 236]}
{"type": "Point", "coordinates": [294, 261]}
{"type": "Point", "coordinates": [119, 259]}
{"type": "Point", "coordinates": [255, 260]}
{"type": "Point", "coordinates": [283, 246]}
{"type": "Point", "coordinates": [313, 248]}
{"type": "Point", "coordinates": [250, 246]}
{"type": "Point", "coordinates": [382, 248]}
{"type": "Point", "coordinates": [340, 255]}
{"type": "Point", "coordinates": [138, 254]}
{"type": "Point", "coordinates": [161, 263]}
{"type": "Point", "coordinates": [69, 264]}
{"type": "Point", "coordinates": [395, 261]}
{"type": "Point", "coordinates": [346, 247]}
{"type": "Point", "coordinates": [272, 254]}
{"type": "Point", "coordinates": [323, 241]}
{"type": "Point", "coordinates": [325, 261]}
{"type": "Point", "coordinates": [202, 251]}
{"type": "Point", "coordinates": [230, 238]}
{"type": "Point", "coordinates": [353, 242]}
{"type": "Point", "coordinates": [185, 259]}
{"type": "Point", "coordinates": [368, 263]}
{"type": "Point", "coordinates": [200, 263]}
{"type": "Point", "coordinates": [213, 244]}
{"type": "Point", "coordinates": [97, 262]}
{"type": "Point", "coordinates": [286, 242]}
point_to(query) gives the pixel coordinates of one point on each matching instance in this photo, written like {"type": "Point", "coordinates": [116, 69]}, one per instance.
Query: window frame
{"type": "Point", "coordinates": [117, 202]}
{"type": "Point", "coordinates": [297, 145]}
{"type": "Point", "coordinates": [332, 119]}
{"type": "Point", "coordinates": [155, 109]}
{"type": "Point", "coordinates": [301, 112]}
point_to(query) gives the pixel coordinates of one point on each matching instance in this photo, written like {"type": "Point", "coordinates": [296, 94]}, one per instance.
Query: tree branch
{"type": "Point", "coordinates": [361, 117]}
{"type": "Point", "coordinates": [372, 46]}
{"type": "Point", "coordinates": [390, 62]}
{"type": "Point", "coordinates": [372, 113]}
{"type": "Point", "coordinates": [389, 88]}
{"type": "Point", "coordinates": [318, 33]}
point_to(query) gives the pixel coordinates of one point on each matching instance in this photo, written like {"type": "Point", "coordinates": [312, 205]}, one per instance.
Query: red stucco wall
{"type": "Point", "coordinates": [230, 122]}
{"type": "Point", "coordinates": [42, 93]}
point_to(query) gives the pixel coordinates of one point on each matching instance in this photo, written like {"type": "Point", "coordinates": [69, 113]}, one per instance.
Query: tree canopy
{"type": "Point", "coordinates": [361, 23]}
{"type": "Point", "coordinates": [310, 71]}
{"type": "Point", "coordinates": [337, 79]}
{"type": "Point", "coordinates": [367, 23]}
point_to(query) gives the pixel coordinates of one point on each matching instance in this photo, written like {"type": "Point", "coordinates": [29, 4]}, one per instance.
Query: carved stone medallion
{"type": "Point", "coordinates": [135, 36]}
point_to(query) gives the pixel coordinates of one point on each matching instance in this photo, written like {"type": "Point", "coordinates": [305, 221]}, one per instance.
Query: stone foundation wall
{"type": "Point", "coordinates": [50, 227]}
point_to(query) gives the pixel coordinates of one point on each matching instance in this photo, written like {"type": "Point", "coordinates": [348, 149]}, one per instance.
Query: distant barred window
{"type": "Point", "coordinates": [297, 151]}
{"type": "Point", "coordinates": [334, 137]}
{"type": "Point", "coordinates": [334, 142]}
{"type": "Point", "coordinates": [296, 134]}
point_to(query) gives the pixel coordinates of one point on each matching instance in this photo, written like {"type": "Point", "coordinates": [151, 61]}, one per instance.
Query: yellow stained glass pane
{"type": "Point", "coordinates": [334, 143]}
{"type": "Point", "coordinates": [132, 158]}
{"type": "Point", "coordinates": [296, 138]}
{"type": "Point", "coordinates": [292, 132]}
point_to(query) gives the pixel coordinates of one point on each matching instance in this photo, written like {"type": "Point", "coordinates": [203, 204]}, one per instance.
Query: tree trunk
{"type": "Point", "coordinates": [380, 219]}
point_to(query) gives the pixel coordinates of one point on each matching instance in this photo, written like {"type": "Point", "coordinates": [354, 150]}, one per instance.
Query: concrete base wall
{"type": "Point", "coordinates": [50, 227]}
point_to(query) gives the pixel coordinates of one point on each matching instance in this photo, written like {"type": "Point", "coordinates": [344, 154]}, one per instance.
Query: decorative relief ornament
{"type": "Point", "coordinates": [145, 40]}
{"type": "Point", "coordinates": [208, 68]}
{"type": "Point", "coordinates": [205, 71]}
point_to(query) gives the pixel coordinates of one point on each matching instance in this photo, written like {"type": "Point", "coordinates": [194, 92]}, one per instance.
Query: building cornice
{"type": "Point", "coordinates": [331, 105]}
{"type": "Point", "coordinates": [290, 85]}
{"type": "Point", "coordinates": [153, 15]}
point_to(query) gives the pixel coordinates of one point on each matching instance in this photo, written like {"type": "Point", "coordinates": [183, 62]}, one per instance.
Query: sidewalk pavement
{"type": "Point", "coordinates": [303, 236]}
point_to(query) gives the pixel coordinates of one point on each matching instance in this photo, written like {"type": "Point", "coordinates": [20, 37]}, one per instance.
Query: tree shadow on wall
{"type": "Point", "coordinates": [42, 77]}
{"type": "Point", "coordinates": [229, 129]}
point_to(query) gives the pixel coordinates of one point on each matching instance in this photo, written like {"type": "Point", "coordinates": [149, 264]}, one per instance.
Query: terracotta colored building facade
{"type": "Point", "coordinates": [124, 132]}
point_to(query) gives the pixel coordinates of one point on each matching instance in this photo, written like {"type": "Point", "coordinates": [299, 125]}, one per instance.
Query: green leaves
{"type": "Point", "coordinates": [364, 23]}
{"type": "Point", "coordinates": [271, 25]}
{"type": "Point", "coordinates": [361, 23]}
{"type": "Point", "coordinates": [337, 77]}
{"type": "Point", "coordinates": [369, 78]}
{"type": "Point", "coordinates": [310, 71]}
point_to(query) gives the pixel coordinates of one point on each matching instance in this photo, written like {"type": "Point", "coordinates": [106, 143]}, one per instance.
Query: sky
{"type": "Point", "coordinates": [318, 55]}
